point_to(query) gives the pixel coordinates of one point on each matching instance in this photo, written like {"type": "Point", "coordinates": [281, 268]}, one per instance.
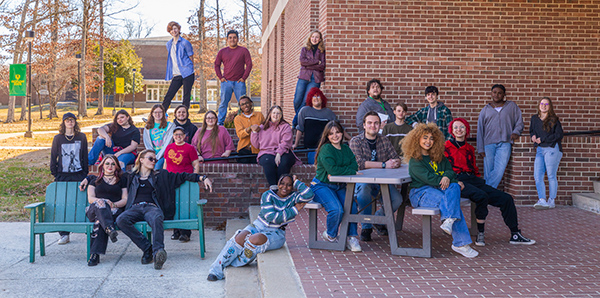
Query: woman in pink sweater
{"type": "Point", "coordinates": [274, 140]}
{"type": "Point", "coordinates": [212, 140]}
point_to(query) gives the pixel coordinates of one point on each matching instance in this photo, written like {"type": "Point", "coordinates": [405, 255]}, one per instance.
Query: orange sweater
{"type": "Point", "coordinates": [242, 122]}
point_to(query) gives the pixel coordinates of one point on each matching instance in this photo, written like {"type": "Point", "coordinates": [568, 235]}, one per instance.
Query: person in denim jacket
{"type": "Point", "coordinates": [180, 66]}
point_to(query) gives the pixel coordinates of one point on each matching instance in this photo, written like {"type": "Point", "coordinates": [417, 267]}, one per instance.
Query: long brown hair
{"type": "Point", "coordinates": [267, 122]}
{"type": "Point", "coordinates": [118, 170]}
{"type": "Point", "coordinates": [320, 46]}
{"type": "Point", "coordinates": [411, 147]}
{"type": "Point", "coordinates": [214, 133]}
{"type": "Point", "coordinates": [62, 129]}
{"type": "Point", "coordinates": [114, 126]}
{"type": "Point", "coordinates": [325, 136]}
{"type": "Point", "coordinates": [150, 122]}
{"type": "Point", "coordinates": [551, 118]}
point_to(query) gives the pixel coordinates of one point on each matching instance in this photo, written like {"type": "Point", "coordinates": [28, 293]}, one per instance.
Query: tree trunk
{"type": "Point", "coordinates": [247, 42]}
{"type": "Point", "coordinates": [84, 32]}
{"type": "Point", "coordinates": [201, 77]}
{"type": "Point", "coordinates": [218, 48]}
{"type": "Point", "coordinates": [53, 95]}
{"type": "Point", "coordinates": [100, 110]}
{"type": "Point", "coordinates": [10, 117]}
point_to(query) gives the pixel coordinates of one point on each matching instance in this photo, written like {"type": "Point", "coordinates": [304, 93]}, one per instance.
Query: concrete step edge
{"type": "Point", "coordinates": [240, 281]}
{"type": "Point", "coordinates": [587, 201]}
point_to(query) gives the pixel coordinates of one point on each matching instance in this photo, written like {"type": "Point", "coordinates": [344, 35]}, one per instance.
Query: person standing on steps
{"type": "Point", "coordinates": [180, 66]}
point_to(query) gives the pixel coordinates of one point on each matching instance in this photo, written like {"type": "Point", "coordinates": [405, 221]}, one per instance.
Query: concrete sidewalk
{"type": "Point", "coordinates": [63, 272]}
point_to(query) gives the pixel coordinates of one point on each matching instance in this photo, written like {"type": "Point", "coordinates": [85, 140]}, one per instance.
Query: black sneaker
{"type": "Point", "coordinates": [480, 240]}
{"type": "Point", "coordinates": [184, 238]}
{"type": "Point", "coordinates": [112, 234]}
{"type": "Point", "coordinates": [175, 235]}
{"type": "Point", "coordinates": [518, 238]}
{"type": "Point", "coordinates": [212, 277]}
{"type": "Point", "coordinates": [381, 230]}
{"type": "Point", "coordinates": [94, 260]}
{"type": "Point", "coordinates": [365, 235]}
{"type": "Point", "coordinates": [159, 259]}
{"type": "Point", "coordinates": [147, 257]}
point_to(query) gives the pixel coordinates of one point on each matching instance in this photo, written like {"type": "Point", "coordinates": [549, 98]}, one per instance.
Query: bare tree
{"type": "Point", "coordinates": [100, 110]}
{"type": "Point", "coordinates": [201, 76]}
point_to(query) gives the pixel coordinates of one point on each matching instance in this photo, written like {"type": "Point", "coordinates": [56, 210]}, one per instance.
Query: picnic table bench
{"type": "Point", "coordinates": [64, 210]}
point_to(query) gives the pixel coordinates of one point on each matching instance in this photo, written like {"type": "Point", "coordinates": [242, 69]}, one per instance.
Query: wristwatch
{"type": "Point", "coordinates": [203, 178]}
{"type": "Point", "coordinates": [383, 165]}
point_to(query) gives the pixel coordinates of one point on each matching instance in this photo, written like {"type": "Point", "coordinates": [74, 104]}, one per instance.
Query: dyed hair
{"type": "Point", "coordinates": [499, 86]}
{"type": "Point", "coordinates": [138, 161]}
{"type": "Point", "coordinates": [171, 25]}
{"type": "Point", "coordinates": [369, 83]}
{"type": "Point", "coordinates": [551, 119]}
{"type": "Point", "coordinates": [214, 133]}
{"type": "Point", "coordinates": [163, 121]}
{"type": "Point", "coordinates": [433, 89]}
{"type": "Point", "coordinates": [325, 136]}
{"type": "Point", "coordinates": [316, 91]}
{"type": "Point", "coordinates": [62, 129]}
{"type": "Point", "coordinates": [320, 46]}
{"type": "Point", "coordinates": [114, 126]}
{"type": "Point", "coordinates": [411, 146]}
{"type": "Point", "coordinates": [463, 121]}
{"type": "Point", "coordinates": [118, 170]}
{"type": "Point", "coordinates": [267, 122]}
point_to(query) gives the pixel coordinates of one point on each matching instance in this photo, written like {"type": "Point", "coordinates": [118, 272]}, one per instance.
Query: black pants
{"type": "Point", "coordinates": [100, 214]}
{"type": "Point", "coordinates": [182, 232]}
{"type": "Point", "coordinates": [483, 195]}
{"type": "Point", "coordinates": [153, 216]}
{"type": "Point", "coordinates": [176, 82]}
{"type": "Point", "coordinates": [248, 160]}
{"type": "Point", "coordinates": [272, 171]}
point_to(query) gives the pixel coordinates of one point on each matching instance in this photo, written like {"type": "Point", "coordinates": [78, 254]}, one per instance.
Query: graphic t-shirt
{"type": "Point", "coordinates": [179, 158]}
{"type": "Point", "coordinates": [157, 134]}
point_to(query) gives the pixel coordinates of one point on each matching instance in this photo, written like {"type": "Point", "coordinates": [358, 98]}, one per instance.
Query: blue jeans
{"type": "Point", "coordinates": [449, 203]}
{"type": "Point", "coordinates": [332, 197]}
{"type": "Point", "coordinates": [302, 89]}
{"type": "Point", "coordinates": [495, 161]}
{"type": "Point", "coordinates": [227, 88]}
{"type": "Point", "coordinates": [100, 146]}
{"type": "Point", "coordinates": [236, 255]}
{"type": "Point", "coordinates": [546, 161]}
{"type": "Point", "coordinates": [363, 193]}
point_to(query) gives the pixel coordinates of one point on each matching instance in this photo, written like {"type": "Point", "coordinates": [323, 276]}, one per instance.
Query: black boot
{"type": "Point", "coordinates": [365, 234]}
{"type": "Point", "coordinates": [112, 233]}
{"type": "Point", "coordinates": [381, 230]}
{"type": "Point", "coordinates": [147, 257]}
{"type": "Point", "coordinates": [94, 260]}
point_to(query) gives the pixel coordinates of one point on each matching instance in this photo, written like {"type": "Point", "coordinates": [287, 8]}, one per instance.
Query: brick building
{"type": "Point", "coordinates": [534, 48]}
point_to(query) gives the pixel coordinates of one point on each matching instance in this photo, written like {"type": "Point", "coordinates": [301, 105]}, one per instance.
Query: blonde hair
{"type": "Point", "coordinates": [138, 160]}
{"type": "Point", "coordinates": [320, 46]}
{"type": "Point", "coordinates": [411, 147]}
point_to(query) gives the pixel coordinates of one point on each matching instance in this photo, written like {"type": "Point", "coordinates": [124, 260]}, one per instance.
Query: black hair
{"type": "Point", "coordinates": [370, 113]}
{"type": "Point", "coordinates": [499, 86]}
{"type": "Point", "coordinates": [432, 89]}
{"type": "Point", "coordinates": [233, 32]}
{"type": "Point", "coordinates": [369, 83]}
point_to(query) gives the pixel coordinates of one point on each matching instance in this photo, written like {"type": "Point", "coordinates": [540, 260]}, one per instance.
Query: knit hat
{"type": "Point", "coordinates": [69, 115]}
{"type": "Point", "coordinates": [467, 127]}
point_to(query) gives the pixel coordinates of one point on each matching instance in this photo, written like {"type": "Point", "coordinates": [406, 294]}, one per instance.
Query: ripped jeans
{"type": "Point", "coordinates": [237, 256]}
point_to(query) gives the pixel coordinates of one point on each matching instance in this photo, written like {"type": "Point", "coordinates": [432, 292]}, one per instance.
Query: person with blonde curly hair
{"type": "Point", "coordinates": [434, 183]}
{"type": "Point", "coordinates": [312, 70]}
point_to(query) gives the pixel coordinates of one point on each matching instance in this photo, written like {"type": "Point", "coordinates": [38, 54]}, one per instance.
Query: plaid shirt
{"type": "Point", "coordinates": [383, 147]}
{"type": "Point", "coordinates": [444, 117]}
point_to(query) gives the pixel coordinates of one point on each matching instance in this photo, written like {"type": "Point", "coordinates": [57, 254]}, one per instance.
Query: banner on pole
{"type": "Point", "coordinates": [18, 80]}
{"type": "Point", "coordinates": [120, 85]}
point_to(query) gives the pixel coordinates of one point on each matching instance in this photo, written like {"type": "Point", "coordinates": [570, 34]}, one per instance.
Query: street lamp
{"type": "Point", "coordinates": [115, 87]}
{"type": "Point", "coordinates": [29, 39]}
{"type": "Point", "coordinates": [133, 95]}
{"type": "Point", "coordinates": [78, 57]}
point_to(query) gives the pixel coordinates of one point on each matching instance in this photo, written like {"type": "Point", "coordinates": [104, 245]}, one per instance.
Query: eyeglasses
{"type": "Point", "coordinates": [151, 159]}
{"type": "Point", "coordinates": [179, 134]}
{"type": "Point", "coordinates": [544, 104]}
{"type": "Point", "coordinates": [211, 118]}
{"type": "Point", "coordinates": [246, 103]}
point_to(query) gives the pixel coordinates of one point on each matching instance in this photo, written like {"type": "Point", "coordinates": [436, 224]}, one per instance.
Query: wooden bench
{"type": "Point", "coordinates": [64, 210]}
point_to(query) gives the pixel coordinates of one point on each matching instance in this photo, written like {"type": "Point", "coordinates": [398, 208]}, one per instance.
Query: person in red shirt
{"type": "Point", "coordinates": [181, 157]}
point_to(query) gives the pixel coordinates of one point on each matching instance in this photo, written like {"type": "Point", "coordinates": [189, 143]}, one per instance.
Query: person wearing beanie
{"type": "Point", "coordinates": [462, 157]}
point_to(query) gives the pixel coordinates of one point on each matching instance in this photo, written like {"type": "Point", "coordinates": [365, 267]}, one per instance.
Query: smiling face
{"type": "Point", "coordinates": [335, 136]}
{"type": "Point", "coordinates": [317, 102]}
{"type": "Point", "coordinates": [232, 40]}
{"type": "Point", "coordinates": [122, 119]}
{"type": "Point", "coordinates": [285, 187]}
{"type": "Point", "coordinates": [544, 106]}
{"type": "Point", "coordinates": [175, 31]}
{"type": "Point", "coordinates": [210, 119]}
{"type": "Point", "coordinates": [374, 90]}
{"type": "Point", "coordinates": [498, 95]}
{"type": "Point", "coordinates": [158, 114]}
{"type": "Point", "coordinates": [315, 38]}
{"type": "Point", "coordinates": [432, 98]}
{"type": "Point", "coordinates": [276, 115]}
{"type": "Point", "coordinates": [181, 115]}
{"type": "Point", "coordinates": [179, 137]}
{"type": "Point", "coordinates": [426, 142]}
{"type": "Point", "coordinates": [459, 130]}
{"type": "Point", "coordinates": [371, 126]}
{"type": "Point", "coordinates": [246, 106]}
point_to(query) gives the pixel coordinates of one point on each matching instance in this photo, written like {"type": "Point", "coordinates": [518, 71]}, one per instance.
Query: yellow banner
{"type": "Point", "coordinates": [120, 85]}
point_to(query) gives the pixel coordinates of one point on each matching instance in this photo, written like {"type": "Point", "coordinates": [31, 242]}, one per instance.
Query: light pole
{"type": "Point", "coordinates": [29, 38]}
{"type": "Point", "coordinates": [115, 86]}
{"type": "Point", "coordinates": [78, 57]}
{"type": "Point", "coordinates": [133, 94]}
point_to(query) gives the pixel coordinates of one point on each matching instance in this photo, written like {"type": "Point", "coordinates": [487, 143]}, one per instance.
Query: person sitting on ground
{"type": "Point", "coordinates": [434, 183]}
{"type": "Point", "coordinates": [107, 195]}
{"type": "Point", "coordinates": [374, 151]}
{"type": "Point", "coordinates": [462, 157]}
{"type": "Point", "coordinates": [181, 157]}
{"type": "Point", "coordinates": [212, 140]}
{"type": "Point", "coordinates": [395, 131]}
{"type": "Point", "coordinates": [278, 208]}
{"type": "Point", "coordinates": [274, 140]}
{"type": "Point", "coordinates": [334, 158]}
{"type": "Point", "coordinates": [435, 112]}
{"type": "Point", "coordinates": [68, 156]}
{"type": "Point", "coordinates": [182, 120]}
{"type": "Point", "coordinates": [243, 127]}
{"type": "Point", "coordinates": [158, 133]}
{"type": "Point", "coordinates": [119, 138]}
{"type": "Point", "coordinates": [312, 119]}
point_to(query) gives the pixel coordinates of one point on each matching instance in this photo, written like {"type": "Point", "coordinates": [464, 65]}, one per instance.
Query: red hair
{"type": "Point", "coordinates": [316, 91]}
{"type": "Point", "coordinates": [467, 126]}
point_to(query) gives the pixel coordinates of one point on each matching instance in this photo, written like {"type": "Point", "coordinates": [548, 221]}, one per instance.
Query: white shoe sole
{"type": "Point", "coordinates": [541, 207]}
{"type": "Point", "coordinates": [457, 250]}
{"type": "Point", "coordinates": [532, 242]}
{"type": "Point", "coordinates": [480, 243]}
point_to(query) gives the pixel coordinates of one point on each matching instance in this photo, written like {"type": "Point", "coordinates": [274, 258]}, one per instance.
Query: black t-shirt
{"type": "Point", "coordinates": [373, 148]}
{"type": "Point", "coordinates": [107, 191]}
{"type": "Point", "coordinates": [144, 192]}
{"type": "Point", "coordinates": [122, 137]}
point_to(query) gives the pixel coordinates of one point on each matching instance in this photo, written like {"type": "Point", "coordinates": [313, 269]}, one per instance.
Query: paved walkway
{"type": "Point", "coordinates": [565, 262]}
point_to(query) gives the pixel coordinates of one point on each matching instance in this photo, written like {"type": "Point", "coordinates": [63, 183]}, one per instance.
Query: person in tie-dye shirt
{"type": "Point", "coordinates": [158, 133]}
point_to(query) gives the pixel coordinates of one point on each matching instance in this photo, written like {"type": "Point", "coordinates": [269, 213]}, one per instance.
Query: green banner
{"type": "Point", "coordinates": [18, 80]}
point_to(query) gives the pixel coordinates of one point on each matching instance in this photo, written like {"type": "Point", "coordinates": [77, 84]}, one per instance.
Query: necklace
{"type": "Point", "coordinates": [371, 141]}
{"type": "Point", "coordinates": [110, 179]}
{"type": "Point", "coordinates": [69, 138]}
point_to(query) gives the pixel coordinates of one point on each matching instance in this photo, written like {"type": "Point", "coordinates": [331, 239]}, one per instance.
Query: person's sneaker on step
{"type": "Point", "coordinates": [352, 244]}
{"type": "Point", "coordinates": [327, 238]}
{"type": "Point", "coordinates": [365, 234]}
{"type": "Point", "coordinates": [64, 240]}
{"type": "Point", "coordinates": [541, 204]}
{"type": "Point", "coordinates": [518, 238]}
{"type": "Point", "coordinates": [447, 225]}
{"type": "Point", "coordinates": [480, 240]}
{"type": "Point", "coordinates": [381, 230]}
{"type": "Point", "coordinates": [551, 203]}
{"type": "Point", "coordinates": [465, 250]}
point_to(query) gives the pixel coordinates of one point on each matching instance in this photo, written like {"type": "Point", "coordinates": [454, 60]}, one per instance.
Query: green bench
{"type": "Point", "coordinates": [64, 210]}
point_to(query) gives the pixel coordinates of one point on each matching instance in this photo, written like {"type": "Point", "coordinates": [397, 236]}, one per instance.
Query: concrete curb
{"type": "Point", "coordinates": [240, 281]}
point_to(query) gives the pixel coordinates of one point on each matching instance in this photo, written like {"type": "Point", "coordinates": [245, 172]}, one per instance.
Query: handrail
{"type": "Point", "coordinates": [235, 155]}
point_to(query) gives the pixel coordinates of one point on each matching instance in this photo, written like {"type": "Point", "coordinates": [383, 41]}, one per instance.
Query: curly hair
{"type": "Point", "coordinates": [320, 45]}
{"type": "Point", "coordinates": [411, 143]}
{"type": "Point", "coordinates": [315, 91]}
{"type": "Point", "coordinates": [62, 128]}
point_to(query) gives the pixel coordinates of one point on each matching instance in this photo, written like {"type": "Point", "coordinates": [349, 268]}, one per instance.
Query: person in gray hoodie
{"type": "Point", "coordinates": [500, 124]}
{"type": "Point", "coordinates": [374, 103]}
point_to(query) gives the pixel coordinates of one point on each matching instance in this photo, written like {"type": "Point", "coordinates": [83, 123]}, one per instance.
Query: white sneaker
{"type": "Point", "coordinates": [327, 238]}
{"type": "Point", "coordinates": [64, 240]}
{"type": "Point", "coordinates": [466, 251]}
{"type": "Point", "coordinates": [447, 225]}
{"type": "Point", "coordinates": [353, 245]}
{"type": "Point", "coordinates": [541, 204]}
{"type": "Point", "coordinates": [551, 203]}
